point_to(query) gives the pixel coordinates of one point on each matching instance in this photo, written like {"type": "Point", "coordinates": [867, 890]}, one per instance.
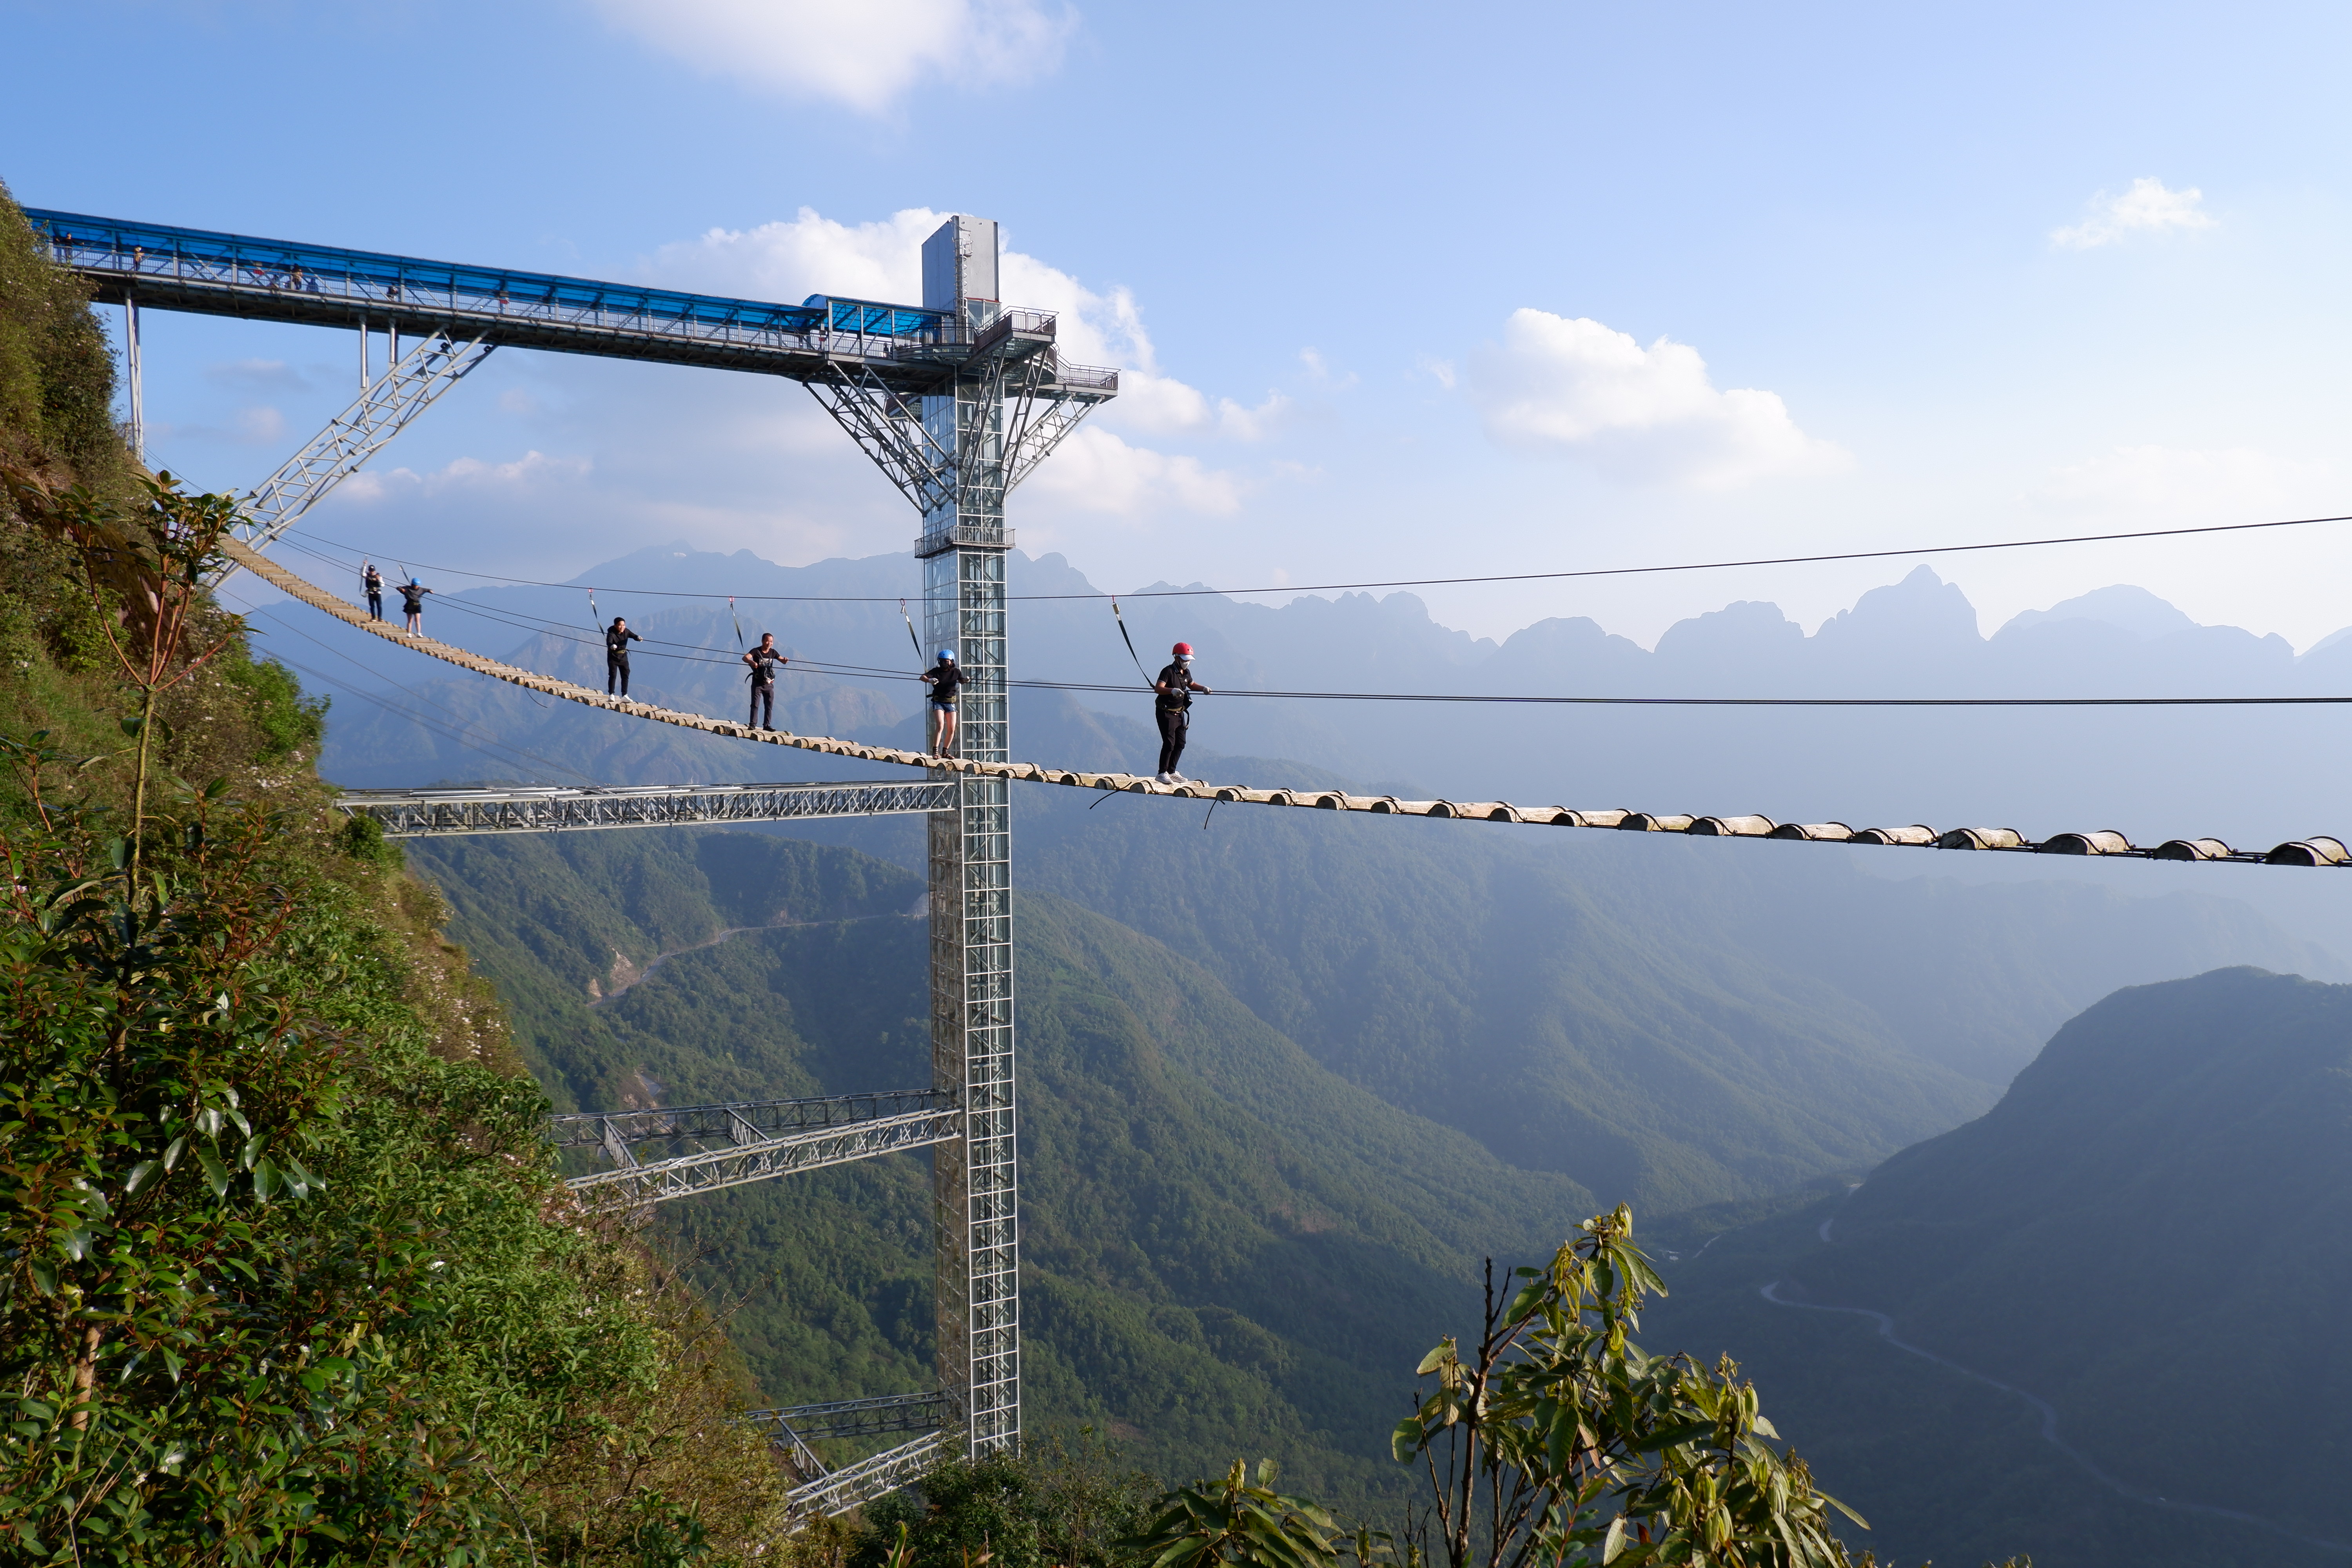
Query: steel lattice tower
{"type": "Point", "coordinates": [975, 1185]}
{"type": "Point", "coordinates": [1008, 401]}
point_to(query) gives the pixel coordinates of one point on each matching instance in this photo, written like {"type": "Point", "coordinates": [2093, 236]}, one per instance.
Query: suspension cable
{"type": "Point", "coordinates": [1454, 582]}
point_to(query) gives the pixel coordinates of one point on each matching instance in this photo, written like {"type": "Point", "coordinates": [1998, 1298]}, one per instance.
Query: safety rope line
{"type": "Point", "coordinates": [1130, 646]}
{"type": "Point", "coordinates": [2315, 851]}
{"type": "Point", "coordinates": [1493, 577]}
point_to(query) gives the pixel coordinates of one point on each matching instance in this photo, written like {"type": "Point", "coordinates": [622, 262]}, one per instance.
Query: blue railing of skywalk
{"type": "Point", "coordinates": [242, 261]}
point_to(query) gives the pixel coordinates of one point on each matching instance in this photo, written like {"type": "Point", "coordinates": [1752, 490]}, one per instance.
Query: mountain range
{"type": "Point", "coordinates": [1288, 1075]}
{"type": "Point", "coordinates": [2102, 1322]}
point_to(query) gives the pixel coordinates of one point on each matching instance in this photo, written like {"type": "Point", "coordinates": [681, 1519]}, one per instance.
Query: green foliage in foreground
{"type": "Point", "coordinates": [1554, 1440]}
{"type": "Point", "coordinates": [284, 1275]}
{"type": "Point", "coordinates": [1070, 1504]}
{"type": "Point", "coordinates": [1558, 1439]}
{"type": "Point", "coordinates": [278, 1278]}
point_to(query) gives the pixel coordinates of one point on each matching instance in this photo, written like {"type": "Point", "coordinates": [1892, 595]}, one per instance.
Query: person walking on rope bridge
{"type": "Point", "coordinates": [943, 677]}
{"type": "Point", "coordinates": [371, 583]}
{"type": "Point", "coordinates": [1172, 707]}
{"type": "Point", "coordinates": [618, 639]}
{"type": "Point", "coordinates": [765, 661]}
{"type": "Point", "coordinates": [412, 604]}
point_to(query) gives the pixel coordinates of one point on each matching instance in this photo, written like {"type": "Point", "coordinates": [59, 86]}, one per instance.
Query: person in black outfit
{"type": "Point", "coordinates": [618, 639]}
{"type": "Point", "coordinates": [1172, 707]}
{"type": "Point", "coordinates": [372, 582]}
{"type": "Point", "coordinates": [765, 661]}
{"type": "Point", "coordinates": [412, 604]}
{"type": "Point", "coordinates": [943, 677]}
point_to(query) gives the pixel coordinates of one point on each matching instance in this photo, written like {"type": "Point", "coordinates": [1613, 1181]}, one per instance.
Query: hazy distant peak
{"type": "Point", "coordinates": [2121, 606]}
{"type": "Point", "coordinates": [2330, 640]}
{"type": "Point", "coordinates": [1920, 610]}
{"type": "Point", "coordinates": [1743, 629]}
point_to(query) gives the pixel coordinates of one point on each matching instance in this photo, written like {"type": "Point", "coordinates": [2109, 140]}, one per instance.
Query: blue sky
{"type": "Point", "coordinates": [1402, 291]}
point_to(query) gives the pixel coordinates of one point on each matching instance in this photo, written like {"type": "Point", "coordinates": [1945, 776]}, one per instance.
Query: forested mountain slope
{"type": "Point", "coordinates": [1225, 1245]}
{"type": "Point", "coordinates": [2148, 1237]}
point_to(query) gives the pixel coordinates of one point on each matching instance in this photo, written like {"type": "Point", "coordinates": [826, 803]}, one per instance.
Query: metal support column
{"type": "Point", "coordinates": [975, 1182]}
{"type": "Point", "coordinates": [130, 375]}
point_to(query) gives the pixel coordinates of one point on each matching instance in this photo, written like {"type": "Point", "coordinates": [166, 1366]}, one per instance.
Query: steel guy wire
{"type": "Point", "coordinates": [1452, 581]}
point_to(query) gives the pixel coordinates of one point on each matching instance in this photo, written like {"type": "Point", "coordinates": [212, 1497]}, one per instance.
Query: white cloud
{"type": "Point", "coordinates": [531, 471]}
{"type": "Point", "coordinates": [812, 254]}
{"type": "Point", "coordinates": [1578, 388]}
{"type": "Point", "coordinates": [1095, 471]}
{"type": "Point", "coordinates": [862, 53]}
{"type": "Point", "coordinates": [2147, 208]}
{"type": "Point", "coordinates": [257, 375]}
{"type": "Point", "coordinates": [259, 426]}
{"type": "Point", "coordinates": [809, 255]}
{"type": "Point", "coordinates": [2227, 483]}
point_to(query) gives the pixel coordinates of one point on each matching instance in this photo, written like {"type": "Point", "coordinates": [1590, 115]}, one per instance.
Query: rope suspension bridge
{"type": "Point", "coordinates": [417, 813]}
{"type": "Point", "coordinates": [956, 400]}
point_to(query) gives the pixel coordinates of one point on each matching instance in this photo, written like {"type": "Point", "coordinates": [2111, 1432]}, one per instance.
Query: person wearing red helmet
{"type": "Point", "coordinates": [1172, 707]}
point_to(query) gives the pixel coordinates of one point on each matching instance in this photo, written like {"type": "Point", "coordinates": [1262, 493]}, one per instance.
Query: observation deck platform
{"type": "Point", "coordinates": [906, 348]}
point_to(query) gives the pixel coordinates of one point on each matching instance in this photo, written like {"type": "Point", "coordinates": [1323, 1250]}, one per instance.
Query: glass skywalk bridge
{"type": "Point", "coordinates": [165, 267]}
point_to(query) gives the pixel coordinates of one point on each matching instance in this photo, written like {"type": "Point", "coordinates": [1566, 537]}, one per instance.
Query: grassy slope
{"type": "Point", "coordinates": [1228, 1246]}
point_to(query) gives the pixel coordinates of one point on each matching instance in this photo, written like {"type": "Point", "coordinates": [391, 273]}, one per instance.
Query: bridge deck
{"type": "Point", "coordinates": [2314, 851]}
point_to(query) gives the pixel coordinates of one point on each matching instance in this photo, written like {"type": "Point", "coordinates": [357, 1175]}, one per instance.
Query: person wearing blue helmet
{"type": "Point", "coordinates": [943, 677]}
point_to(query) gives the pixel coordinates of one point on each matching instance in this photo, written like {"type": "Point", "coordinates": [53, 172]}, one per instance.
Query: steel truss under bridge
{"type": "Point", "coordinates": [357, 434]}
{"type": "Point", "coordinates": [851, 1418]}
{"type": "Point", "coordinates": [958, 400]}
{"type": "Point", "coordinates": [826, 1490]}
{"type": "Point", "coordinates": [702, 1148]}
{"type": "Point", "coordinates": [420, 813]}
{"type": "Point", "coordinates": [1032, 401]}
{"type": "Point", "coordinates": [838, 1491]}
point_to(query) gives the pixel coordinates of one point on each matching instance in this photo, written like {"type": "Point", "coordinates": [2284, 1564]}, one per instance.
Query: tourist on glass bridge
{"type": "Point", "coordinates": [372, 584]}
{"type": "Point", "coordinates": [1172, 707]}
{"type": "Point", "coordinates": [412, 604]}
{"type": "Point", "coordinates": [618, 639]}
{"type": "Point", "coordinates": [765, 661]}
{"type": "Point", "coordinates": [943, 677]}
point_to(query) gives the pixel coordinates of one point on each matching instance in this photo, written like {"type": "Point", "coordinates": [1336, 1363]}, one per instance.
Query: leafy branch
{"type": "Point", "coordinates": [1558, 1440]}
{"type": "Point", "coordinates": [144, 567]}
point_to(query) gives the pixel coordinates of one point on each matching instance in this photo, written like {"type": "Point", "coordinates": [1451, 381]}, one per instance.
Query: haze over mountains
{"type": "Point", "coordinates": [2154, 772]}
